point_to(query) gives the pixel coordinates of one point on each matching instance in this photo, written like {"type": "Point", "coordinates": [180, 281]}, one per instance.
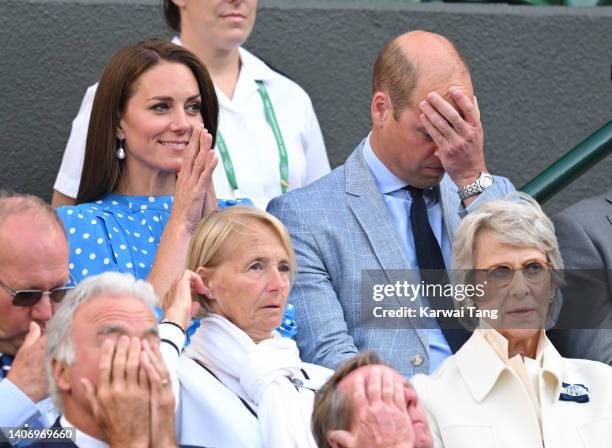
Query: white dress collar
{"type": "Point", "coordinates": [83, 440]}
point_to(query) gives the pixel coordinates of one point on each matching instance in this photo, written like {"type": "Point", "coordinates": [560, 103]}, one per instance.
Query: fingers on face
{"type": "Point", "coordinates": [447, 112]}
{"type": "Point", "coordinates": [196, 284]}
{"type": "Point", "coordinates": [359, 392]}
{"type": "Point", "coordinates": [143, 377]}
{"type": "Point", "coordinates": [106, 363]}
{"type": "Point", "coordinates": [192, 148]}
{"type": "Point", "coordinates": [427, 108]}
{"type": "Point", "coordinates": [399, 395]}
{"type": "Point", "coordinates": [120, 361]}
{"type": "Point", "coordinates": [133, 362]}
{"type": "Point", "coordinates": [205, 140]}
{"type": "Point", "coordinates": [374, 385]}
{"type": "Point", "coordinates": [90, 396]}
{"type": "Point", "coordinates": [468, 108]}
{"type": "Point", "coordinates": [387, 391]}
{"type": "Point", "coordinates": [433, 132]}
{"type": "Point", "coordinates": [157, 363]}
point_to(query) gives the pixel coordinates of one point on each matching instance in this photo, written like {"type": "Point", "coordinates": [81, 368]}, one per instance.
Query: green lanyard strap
{"type": "Point", "coordinates": [280, 143]}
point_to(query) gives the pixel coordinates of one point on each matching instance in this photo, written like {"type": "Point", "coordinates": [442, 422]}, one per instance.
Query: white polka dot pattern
{"type": "Point", "coordinates": [116, 233]}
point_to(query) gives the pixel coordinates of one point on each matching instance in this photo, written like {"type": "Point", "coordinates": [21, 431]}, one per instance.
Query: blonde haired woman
{"type": "Point", "coordinates": [241, 383]}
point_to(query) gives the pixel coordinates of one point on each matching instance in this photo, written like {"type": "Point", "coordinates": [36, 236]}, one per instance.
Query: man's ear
{"type": "Point", "coordinates": [179, 3]}
{"type": "Point", "coordinates": [59, 370]}
{"type": "Point", "coordinates": [381, 109]}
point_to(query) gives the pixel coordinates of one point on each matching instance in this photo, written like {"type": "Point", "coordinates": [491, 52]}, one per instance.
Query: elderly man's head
{"type": "Point", "coordinates": [407, 69]}
{"type": "Point", "coordinates": [110, 305]}
{"type": "Point", "coordinates": [334, 408]}
{"type": "Point", "coordinates": [33, 266]}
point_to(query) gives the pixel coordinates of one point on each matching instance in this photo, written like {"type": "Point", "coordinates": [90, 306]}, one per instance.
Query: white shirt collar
{"type": "Point", "coordinates": [255, 67]}
{"type": "Point", "coordinates": [83, 440]}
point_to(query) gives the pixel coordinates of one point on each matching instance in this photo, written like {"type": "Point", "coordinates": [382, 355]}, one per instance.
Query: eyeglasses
{"type": "Point", "coordinates": [30, 297]}
{"type": "Point", "coordinates": [500, 276]}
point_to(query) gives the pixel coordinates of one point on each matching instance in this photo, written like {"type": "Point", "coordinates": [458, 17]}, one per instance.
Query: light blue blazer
{"type": "Point", "coordinates": [340, 226]}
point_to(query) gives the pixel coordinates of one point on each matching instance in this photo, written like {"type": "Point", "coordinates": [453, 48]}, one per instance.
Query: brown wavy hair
{"type": "Point", "coordinates": [102, 170]}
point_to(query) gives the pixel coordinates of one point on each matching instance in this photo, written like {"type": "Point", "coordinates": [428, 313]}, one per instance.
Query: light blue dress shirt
{"type": "Point", "coordinates": [17, 410]}
{"type": "Point", "coordinates": [398, 202]}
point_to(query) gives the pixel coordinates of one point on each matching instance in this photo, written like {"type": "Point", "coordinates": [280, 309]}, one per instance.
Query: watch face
{"type": "Point", "coordinates": [486, 180]}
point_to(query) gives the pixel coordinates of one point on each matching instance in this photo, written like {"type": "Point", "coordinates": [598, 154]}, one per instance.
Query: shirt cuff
{"type": "Point", "coordinates": [172, 341]}
{"type": "Point", "coordinates": [16, 408]}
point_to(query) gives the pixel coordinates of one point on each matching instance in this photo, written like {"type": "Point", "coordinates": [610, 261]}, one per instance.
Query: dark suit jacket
{"type": "Point", "coordinates": [70, 444]}
{"type": "Point", "coordinates": [584, 231]}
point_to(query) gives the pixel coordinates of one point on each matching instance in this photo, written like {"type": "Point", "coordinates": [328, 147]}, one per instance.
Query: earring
{"type": "Point", "coordinates": [120, 152]}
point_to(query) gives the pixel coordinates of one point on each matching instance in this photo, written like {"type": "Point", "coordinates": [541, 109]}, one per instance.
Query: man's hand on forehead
{"type": "Point", "coordinates": [457, 132]}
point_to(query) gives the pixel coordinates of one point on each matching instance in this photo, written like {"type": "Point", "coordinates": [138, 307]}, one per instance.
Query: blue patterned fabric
{"type": "Point", "coordinates": [121, 233]}
{"type": "Point", "coordinates": [341, 226]}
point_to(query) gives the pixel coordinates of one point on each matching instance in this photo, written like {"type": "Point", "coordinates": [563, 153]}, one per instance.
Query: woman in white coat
{"type": "Point", "coordinates": [508, 386]}
{"type": "Point", "coordinates": [239, 383]}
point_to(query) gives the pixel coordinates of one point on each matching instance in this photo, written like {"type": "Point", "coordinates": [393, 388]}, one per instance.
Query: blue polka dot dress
{"type": "Point", "coordinates": [116, 233]}
{"type": "Point", "coordinates": [121, 233]}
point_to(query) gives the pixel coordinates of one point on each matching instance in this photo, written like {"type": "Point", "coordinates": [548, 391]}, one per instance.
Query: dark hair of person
{"type": "Point", "coordinates": [172, 15]}
{"type": "Point", "coordinates": [102, 170]}
{"type": "Point", "coordinates": [332, 410]}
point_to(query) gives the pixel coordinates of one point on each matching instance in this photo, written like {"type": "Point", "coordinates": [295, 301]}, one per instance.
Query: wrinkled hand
{"type": "Point", "coordinates": [457, 133]}
{"type": "Point", "coordinates": [121, 402]}
{"type": "Point", "coordinates": [162, 399]}
{"type": "Point", "coordinates": [28, 369]}
{"type": "Point", "coordinates": [382, 419]}
{"type": "Point", "coordinates": [178, 304]}
{"type": "Point", "coordinates": [192, 195]}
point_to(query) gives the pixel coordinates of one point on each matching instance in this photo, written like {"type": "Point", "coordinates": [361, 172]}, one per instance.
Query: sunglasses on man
{"type": "Point", "coordinates": [30, 297]}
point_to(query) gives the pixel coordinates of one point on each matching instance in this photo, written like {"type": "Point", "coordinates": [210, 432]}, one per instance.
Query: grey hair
{"type": "Point", "coordinates": [12, 203]}
{"type": "Point", "coordinates": [60, 345]}
{"type": "Point", "coordinates": [517, 220]}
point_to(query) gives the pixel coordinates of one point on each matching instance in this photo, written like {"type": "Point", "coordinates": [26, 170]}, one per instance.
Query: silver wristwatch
{"type": "Point", "coordinates": [484, 181]}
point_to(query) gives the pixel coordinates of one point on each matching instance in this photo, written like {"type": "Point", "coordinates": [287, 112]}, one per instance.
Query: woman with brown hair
{"type": "Point", "coordinates": [154, 115]}
{"type": "Point", "coordinates": [270, 141]}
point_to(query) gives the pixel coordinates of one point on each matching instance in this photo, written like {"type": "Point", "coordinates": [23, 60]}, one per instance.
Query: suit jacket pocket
{"type": "Point", "coordinates": [468, 436]}
{"type": "Point", "coordinates": [597, 433]}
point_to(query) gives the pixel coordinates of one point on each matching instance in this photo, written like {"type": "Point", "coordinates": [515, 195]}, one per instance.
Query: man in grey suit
{"type": "Point", "coordinates": [427, 138]}
{"type": "Point", "coordinates": [584, 231]}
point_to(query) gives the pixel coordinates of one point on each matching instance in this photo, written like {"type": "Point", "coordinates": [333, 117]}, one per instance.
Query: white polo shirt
{"type": "Point", "coordinates": [247, 134]}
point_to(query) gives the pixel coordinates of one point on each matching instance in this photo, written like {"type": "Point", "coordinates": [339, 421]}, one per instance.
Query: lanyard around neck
{"type": "Point", "coordinates": [280, 143]}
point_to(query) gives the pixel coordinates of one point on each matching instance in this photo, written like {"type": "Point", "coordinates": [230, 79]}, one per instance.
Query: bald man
{"type": "Point", "coordinates": [394, 205]}
{"type": "Point", "coordinates": [33, 279]}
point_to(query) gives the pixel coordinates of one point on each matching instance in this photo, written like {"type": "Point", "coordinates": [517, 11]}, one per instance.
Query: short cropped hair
{"type": "Point", "coordinates": [60, 345]}
{"type": "Point", "coordinates": [102, 170]}
{"type": "Point", "coordinates": [332, 409]}
{"type": "Point", "coordinates": [207, 245]}
{"type": "Point", "coordinates": [395, 74]}
{"type": "Point", "coordinates": [12, 203]}
{"type": "Point", "coordinates": [517, 220]}
{"type": "Point", "coordinates": [172, 15]}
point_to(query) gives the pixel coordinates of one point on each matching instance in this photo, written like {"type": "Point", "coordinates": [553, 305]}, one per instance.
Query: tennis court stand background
{"type": "Point", "coordinates": [541, 74]}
